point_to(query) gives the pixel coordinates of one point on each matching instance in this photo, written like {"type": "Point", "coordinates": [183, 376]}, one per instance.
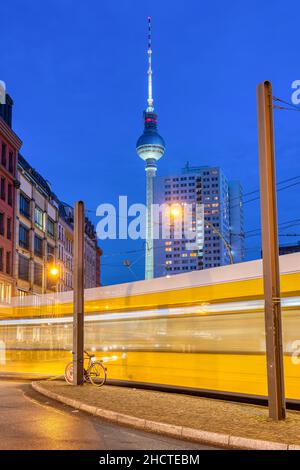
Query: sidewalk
{"type": "Point", "coordinates": [216, 422]}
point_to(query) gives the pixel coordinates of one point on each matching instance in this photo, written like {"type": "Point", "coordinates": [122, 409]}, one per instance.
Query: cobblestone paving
{"type": "Point", "coordinates": [200, 413]}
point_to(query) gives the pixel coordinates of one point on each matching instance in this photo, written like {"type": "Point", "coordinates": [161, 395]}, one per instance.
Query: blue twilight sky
{"type": "Point", "coordinates": [77, 73]}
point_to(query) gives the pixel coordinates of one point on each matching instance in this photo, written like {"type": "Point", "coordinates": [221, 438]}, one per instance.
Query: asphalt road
{"type": "Point", "coordinates": [32, 421]}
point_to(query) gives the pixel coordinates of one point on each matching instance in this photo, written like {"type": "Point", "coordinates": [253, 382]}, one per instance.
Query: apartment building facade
{"type": "Point", "coordinates": [36, 232]}
{"type": "Point", "coordinates": [92, 252]}
{"type": "Point", "coordinates": [44, 237]}
{"type": "Point", "coordinates": [9, 148]}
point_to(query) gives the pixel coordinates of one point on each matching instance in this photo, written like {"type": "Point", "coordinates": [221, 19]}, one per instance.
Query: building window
{"type": "Point", "coordinates": [50, 250]}
{"type": "Point", "coordinates": [25, 206]}
{"type": "Point", "coordinates": [9, 194]}
{"type": "Point", "coordinates": [23, 268]}
{"type": "Point", "coordinates": [61, 252]}
{"type": "Point", "coordinates": [50, 227]}
{"type": "Point", "coordinates": [2, 189]}
{"type": "Point", "coordinates": [39, 218]}
{"type": "Point", "coordinates": [8, 262]}
{"type": "Point", "coordinates": [11, 162]}
{"type": "Point", "coordinates": [22, 293]}
{"type": "Point", "coordinates": [38, 274]}
{"type": "Point", "coordinates": [8, 228]}
{"type": "Point", "coordinates": [1, 223]}
{"type": "Point", "coordinates": [38, 246]}
{"type": "Point", "coordinates": [5, 292]}
{"type": "Point", "coordinates": [23, 236]}
{"type": "Point", "coordinates": [3, 155]}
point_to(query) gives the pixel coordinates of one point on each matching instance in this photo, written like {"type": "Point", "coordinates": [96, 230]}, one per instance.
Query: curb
{"type": "Point", "coordinates": [17, 376]}
{"type": "Point", "coordinates": [190, 434]}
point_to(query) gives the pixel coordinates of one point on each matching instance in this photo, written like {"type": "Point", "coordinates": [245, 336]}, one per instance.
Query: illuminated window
{"type": "Point", "coordinates": [5, 292]}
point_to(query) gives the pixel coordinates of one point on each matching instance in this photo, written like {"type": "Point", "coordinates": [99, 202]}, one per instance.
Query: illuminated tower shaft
{"type": "Point", "coordinates": [150, 147]}
{"type": "Point", "coordinates": [149, 256]}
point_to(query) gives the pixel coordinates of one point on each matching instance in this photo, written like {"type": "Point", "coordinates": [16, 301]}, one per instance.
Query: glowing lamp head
{"type": "Point", "coordinates": [54, 271]}
{"type": "Point", "coordinates": [175, 211]}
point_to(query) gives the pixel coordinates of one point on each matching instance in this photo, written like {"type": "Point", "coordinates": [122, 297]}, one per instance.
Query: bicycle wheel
{"type": "Point", "coordinates": [69, 373]}
{"type": "Point", "coordinates": [97, 374]}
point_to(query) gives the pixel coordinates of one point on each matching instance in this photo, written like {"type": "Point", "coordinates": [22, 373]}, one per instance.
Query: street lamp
{"type": "Point", "coordinates": [51, 270]}
{"type": "Point", "coordinates": [175, 210]}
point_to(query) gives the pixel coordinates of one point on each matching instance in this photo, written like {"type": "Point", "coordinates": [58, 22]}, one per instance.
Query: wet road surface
{"type": "Point", "coordinates": [32, 421]}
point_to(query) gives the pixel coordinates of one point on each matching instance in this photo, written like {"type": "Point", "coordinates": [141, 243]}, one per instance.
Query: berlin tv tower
{"type": "Point", "coordinates": [150, 148]}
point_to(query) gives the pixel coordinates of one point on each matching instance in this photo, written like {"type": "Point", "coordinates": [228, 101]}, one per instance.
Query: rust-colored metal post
{"type": "Point", "coordinates": [78, 320]}
{"type": "Point", "coordinates": [269, 230]}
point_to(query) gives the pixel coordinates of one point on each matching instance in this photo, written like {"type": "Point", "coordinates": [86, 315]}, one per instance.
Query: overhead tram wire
{"type": "Point", "coordinates": [250, 249]}
{"type": "Point", "coordinates": [294, 221]}
{"type": "Point", "coordinates": [281, 226]}
{"type": "Point", "coordinates": [288, 223]}
{"type": "Point", "coordinates": [246, 234]}
{"type": "Point", "coordinates": [292, 107]}
{"type": "Point", "coordinates": [257, 191]}
{"type": "Point", "coordinates": [244, 195]}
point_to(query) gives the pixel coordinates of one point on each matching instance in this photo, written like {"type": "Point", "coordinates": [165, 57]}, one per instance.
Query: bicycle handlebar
{"type": "Point", "coordinates": [85, 352]}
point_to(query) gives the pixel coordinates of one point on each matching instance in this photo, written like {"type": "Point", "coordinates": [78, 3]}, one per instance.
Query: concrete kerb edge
{"type": "Point", "coordinates": [191, 434]}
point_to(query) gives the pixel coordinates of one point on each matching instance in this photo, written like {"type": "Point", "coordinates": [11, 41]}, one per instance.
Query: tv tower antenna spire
{"type": "Point", "coordinates": [150, 98]}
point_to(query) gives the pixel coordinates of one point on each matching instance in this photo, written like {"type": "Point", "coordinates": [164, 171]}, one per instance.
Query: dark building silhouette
{"type": "Point", "coordinates": [6, 110]}
{"type": "Point", "coordinates": [287, 249]}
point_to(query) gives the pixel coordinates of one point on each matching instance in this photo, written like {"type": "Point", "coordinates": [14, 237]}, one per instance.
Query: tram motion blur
{"type": "Point", "coordinates": [203, 330]}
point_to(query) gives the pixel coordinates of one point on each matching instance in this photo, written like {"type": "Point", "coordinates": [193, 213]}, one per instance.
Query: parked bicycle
{"type": "Point", "coordinates": [95, 372]}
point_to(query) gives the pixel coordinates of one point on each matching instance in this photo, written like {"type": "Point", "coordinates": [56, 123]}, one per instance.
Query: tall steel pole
{"type": "Point", "coordinates": [269, 230]}
{"type": "Point", "coordinates": [78, 320]}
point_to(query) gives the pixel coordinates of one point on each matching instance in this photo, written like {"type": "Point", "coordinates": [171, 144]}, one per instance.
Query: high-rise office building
{"type": "Point", "coordinates": [218, 227]}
